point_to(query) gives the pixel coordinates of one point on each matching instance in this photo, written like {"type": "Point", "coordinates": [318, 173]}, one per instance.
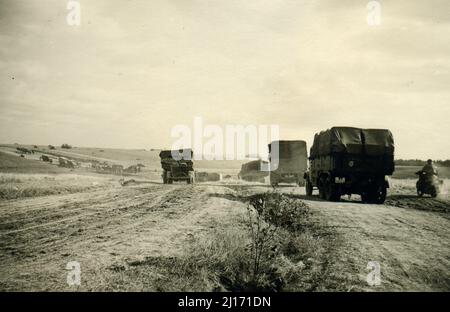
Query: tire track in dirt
{"type": "Point", "coordinates": [95, 209]}
{"type": "Point", "coordinates": [117, 225]}
{"type": "Point", "coordinates": [113, 227]}
{"type": "Point", "coordinates": [62, 214]}
{"type": "Point", "coordinates": [89, 203]}
{"type": "Point", "coordinates": [411, 245]}
{"type": "Point", "coordinates": [29, 209]}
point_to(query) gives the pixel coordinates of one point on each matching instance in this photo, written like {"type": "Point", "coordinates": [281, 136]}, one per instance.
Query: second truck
{"type": "Point", "coordinates": [288, 162]}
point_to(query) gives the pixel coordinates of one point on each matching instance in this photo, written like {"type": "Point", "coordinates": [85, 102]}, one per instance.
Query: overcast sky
{"type": "Point", "coordinates": [134, 69]}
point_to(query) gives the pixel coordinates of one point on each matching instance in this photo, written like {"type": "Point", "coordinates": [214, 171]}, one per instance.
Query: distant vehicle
{"type": "Point", "coordinates": [207, 177]}
{"type": "Point", "coordinates": [428, 185]}
{"type": "Point", "coordinates": [46, 158]}
{"type": "Point", "coordinates": [66, 146]}
{"type": "Point", "coordinates": [292, 162]}
{"type": "Point", "coordinates": [346, 160]}
{"type": "Point", "coordinates": [24, 150]}
{"type": "Point", "coordinates": [179, 169]}
{"type": "Point", "coordinates": [130, 169]}
{"type": "Point", "coordinates": [51, 147]}
{"type": "Point", "coordinates": [117, 169]}
{"type": "Point", "coordinates": [67, 163]}
{"type": "Point", "coordinates": [252, 172]}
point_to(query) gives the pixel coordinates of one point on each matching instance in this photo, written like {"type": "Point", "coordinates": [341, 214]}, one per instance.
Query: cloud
{"type": "Point", "coordinates": [135, 69]}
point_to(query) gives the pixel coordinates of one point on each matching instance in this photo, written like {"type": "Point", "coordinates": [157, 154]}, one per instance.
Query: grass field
{"type": "Point", "coordinates": [149, 158]}
{"type": "Point", "coordinates": [14, 164]}
{"type": "Point", "coordinates": [408, 172]}
{"type": "Point", "coordinates": [155, 237]}
{"type": "Point", "coordinates": [20, 185]}
{"type": "Point", "coordinates": [126, 157]}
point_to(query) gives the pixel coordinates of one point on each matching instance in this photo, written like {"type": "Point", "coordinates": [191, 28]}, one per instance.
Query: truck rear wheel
{"type": "Point", "coordinates": [308, 188]}
{"type": "Point", "coordinates": [375, 196]}
{"type": "Point", "coordinates": [169, 177]}
{"type": "Point", "coordinates": [321, 186]}
{"type": "Point", "coordinates": [381, 197]}
{"type": "Point", "coordinates": [331, 192]}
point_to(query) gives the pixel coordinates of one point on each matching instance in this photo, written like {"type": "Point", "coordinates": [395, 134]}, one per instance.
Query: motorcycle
{"type": "Point", "coordinates": [428, 185]}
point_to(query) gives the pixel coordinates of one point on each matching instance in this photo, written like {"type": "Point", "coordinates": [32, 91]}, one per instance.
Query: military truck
{"type": "Point", "coordinates": [252, 172]}
{"type": "Point", "coordinates": [24, 150]}
{"type": "Point", "coordinates": [46, 158]}
{"type": "Point", "coordinates": [289, 164]}
{"type": "Point", "coordinates": [65, 162]}
{"type": "Point", "coordinates": [207, 176]}
{"type": "Point", "coordinates": [347, 160]}
{"type": "Point", "coordinates": [177, 166]}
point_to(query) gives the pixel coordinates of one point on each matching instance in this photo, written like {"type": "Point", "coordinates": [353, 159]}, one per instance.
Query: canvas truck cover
{"type": "Point", "coordinates": [378, 142]}
{"type": "Point", "coordinates": [185, 161]}
{"type": "Point", "coordinates": [288, 149]}
{"type": "Point", "coordinates": [185, 154]}
{"type": "Point", "coordinates": [251, 166]}
{"type": "Point", "coordinates": [252, 170]}
{"type": "Point", "coordinates": [353, 141]}
{"type": "Point", "coordinates": [293, 157]}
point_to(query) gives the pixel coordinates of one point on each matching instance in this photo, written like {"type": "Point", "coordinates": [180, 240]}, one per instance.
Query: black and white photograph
{"type": "Point", "coordinates": [224, 146]}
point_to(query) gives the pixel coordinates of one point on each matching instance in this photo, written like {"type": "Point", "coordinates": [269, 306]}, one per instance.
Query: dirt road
{"type": "Point", "coordinates": [39, 236]}
{"type": "Point", "coordinates": [412, 246]}
{"type": "Point", "coordinates": [107, 228]}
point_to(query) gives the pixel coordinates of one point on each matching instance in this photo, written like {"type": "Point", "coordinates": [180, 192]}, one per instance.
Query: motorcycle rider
{"type": "Point", "coordinates": [430, 170]}
{"type": "Point", "coordinates": [428, 182]}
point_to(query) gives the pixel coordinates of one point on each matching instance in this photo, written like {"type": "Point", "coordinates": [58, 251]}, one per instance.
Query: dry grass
{"type": "Point", "coordinates": [204, 265]}
{"type": "Point", "coordinates": [408, 172]}
{"type": "Point", "coordinates": [408, 187]}
{"type": "Point", "coordinates": [221, 260]}
{"type": "Point", "coordinates": [15, 164]}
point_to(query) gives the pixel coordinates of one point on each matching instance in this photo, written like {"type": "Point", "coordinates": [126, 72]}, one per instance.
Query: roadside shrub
{"type": "Point", "coordinates": [280, 210]}
{"type": "Point", "coordinates": [267, 215]}
{"type": "Point", "coordinates": [266, 249]}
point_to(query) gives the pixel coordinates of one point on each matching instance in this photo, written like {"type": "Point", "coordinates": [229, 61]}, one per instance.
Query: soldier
{"type": "Point", "coordinates": [429, 170]}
